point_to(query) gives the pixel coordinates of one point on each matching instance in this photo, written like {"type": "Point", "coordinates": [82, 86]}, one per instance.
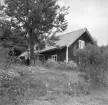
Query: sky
{"type": "Point", "coordinates": [92, 14]}
{"type": "Point", "coordinates": [1, 1]}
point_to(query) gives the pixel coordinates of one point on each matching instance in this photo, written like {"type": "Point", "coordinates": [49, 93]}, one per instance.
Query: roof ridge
{"type": "Point", "coordinates": [74, 31]}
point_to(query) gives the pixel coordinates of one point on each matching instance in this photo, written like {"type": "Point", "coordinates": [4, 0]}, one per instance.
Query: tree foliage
{"type": "Point", "coordinates": [94, 61]}
{"type": "Point", "coordinates": [11, 38]}
{"type": "Point", "coordinates": [40, 20]}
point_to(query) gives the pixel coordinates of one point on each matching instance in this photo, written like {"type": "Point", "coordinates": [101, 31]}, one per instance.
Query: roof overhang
{"type": "Point", "coordinates": [56, 48]}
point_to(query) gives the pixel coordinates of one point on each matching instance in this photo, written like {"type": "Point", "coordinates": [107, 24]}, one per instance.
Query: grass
{"type": "Point", "coordinates": [55, 78]}
{"type": "Point", "coordinates": [57, 87]}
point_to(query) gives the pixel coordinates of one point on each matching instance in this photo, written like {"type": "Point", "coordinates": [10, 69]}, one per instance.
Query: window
{"type": "Point", "coordinates": [54, 57]}
{"type": "Point", "coordinates": [81, 44]}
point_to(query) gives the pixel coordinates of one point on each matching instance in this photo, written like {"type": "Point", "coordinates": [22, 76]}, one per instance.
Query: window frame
{"type": "Point", "coordinates": [81, 46]}
{"type": "Point", "coordinates": [54, 57]}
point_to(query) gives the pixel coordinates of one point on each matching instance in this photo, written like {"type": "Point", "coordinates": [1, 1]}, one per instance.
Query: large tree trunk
{"type": "Point", "coordinates": [31, 48]}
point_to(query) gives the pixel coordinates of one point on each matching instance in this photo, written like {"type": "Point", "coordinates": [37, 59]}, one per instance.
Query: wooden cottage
{"type": "Point", "coordinates": [64, 48]}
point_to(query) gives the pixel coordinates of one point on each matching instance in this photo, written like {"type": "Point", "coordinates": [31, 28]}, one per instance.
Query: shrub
{"type": "Point", "coordinates": [67, 65]}
{"type": "Point", "coordinates": [61, 65]}
{"type": "Point", "coordinates": [51, 64]}
{"type": "Point", "coordinates": [92, 61]}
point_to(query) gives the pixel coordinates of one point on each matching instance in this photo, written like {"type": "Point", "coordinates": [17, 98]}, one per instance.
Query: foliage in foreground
{"type": "Point", "coordinates": [22, 84]}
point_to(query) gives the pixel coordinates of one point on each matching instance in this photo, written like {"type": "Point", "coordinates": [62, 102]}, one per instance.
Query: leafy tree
{"type": "Point", "coordinates": [40, 20]}
{"type": "Point", "coordinates": [11, 38]}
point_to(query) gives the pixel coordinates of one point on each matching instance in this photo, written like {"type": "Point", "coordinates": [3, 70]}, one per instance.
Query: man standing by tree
{"type": "Point", "coordinates": [40, 20]}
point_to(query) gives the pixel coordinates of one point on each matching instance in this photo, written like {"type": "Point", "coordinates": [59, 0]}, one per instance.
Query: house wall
{"type": "Point", "coordinates": [61, 54]}
{"type": "Point", "coordinates": [75, 45]}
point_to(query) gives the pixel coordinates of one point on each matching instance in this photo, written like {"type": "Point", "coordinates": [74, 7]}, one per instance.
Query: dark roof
{"type": "Point", "coordinates": [68, 39]}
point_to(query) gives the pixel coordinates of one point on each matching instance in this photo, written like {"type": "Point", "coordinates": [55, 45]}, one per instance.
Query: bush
{"type": "Point", "coordinates": [92, 61]}
{"type": "Point", "coordinates": [67, 65]}
{"type": "Point", "coordinates": [61, 65]}
{"type": "Point", "coordinates": [51, 64]}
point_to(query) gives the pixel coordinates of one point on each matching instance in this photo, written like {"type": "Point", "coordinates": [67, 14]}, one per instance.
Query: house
{"type": "Point", "coordinates": [64, 48]}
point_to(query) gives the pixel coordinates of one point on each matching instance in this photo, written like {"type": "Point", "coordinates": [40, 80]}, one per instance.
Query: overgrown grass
{"type": "Point", "coordinates": [63, 65]}
{"type": "Point", "coordinates": [22, 83]}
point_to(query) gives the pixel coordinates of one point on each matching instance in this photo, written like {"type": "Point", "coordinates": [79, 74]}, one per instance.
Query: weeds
{"type": "Point", "coordinates": [61, 65]}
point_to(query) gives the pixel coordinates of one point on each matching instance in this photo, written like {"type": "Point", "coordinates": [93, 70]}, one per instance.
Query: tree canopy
{"type": "Point", "coordinates": [37, 20]}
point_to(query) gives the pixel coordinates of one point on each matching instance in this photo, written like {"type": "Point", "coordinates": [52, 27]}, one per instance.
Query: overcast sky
{"type": "Point", "coordinates": [92, 14]}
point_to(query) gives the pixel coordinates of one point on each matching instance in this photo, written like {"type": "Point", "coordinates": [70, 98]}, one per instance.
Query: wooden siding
{"type": "Point", "coordinates": [75, 45]}
{"type": "Point", "coordinates": [61, 54]}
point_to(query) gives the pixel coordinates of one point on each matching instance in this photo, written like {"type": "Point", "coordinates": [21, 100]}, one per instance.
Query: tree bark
{"type": "Point", "coordinates": [31, 47]}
